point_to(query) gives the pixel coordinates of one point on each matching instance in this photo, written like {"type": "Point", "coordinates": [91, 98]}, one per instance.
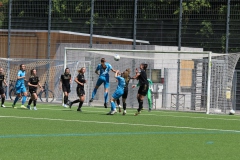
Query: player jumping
{"type": "Point", "coordinates": [104, 69]}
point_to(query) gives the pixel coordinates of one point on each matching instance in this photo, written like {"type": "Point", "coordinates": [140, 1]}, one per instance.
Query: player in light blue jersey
{"type": "Point", "coordinates": [20, 87]}
{"type": "Point", "coordinates": [104, 69]}
{"type": "Point", "coordinates": [118, 92]}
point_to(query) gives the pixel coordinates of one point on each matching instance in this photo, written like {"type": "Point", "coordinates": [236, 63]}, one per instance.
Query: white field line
{"type": "Point", "coordinates": [174, 116]}
{"type": "Point", "coordinates": [129, 124]}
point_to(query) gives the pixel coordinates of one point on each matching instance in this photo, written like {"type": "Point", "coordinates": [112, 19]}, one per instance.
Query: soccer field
{"type": "Point", "coordinates": [53, 132]}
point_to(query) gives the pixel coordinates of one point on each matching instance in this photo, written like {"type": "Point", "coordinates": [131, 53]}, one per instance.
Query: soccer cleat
{"type": "Point", "coordinates": [105, 105]}
{"type": "Point", "coordinates": [149, 110]}
{"type": "Point", "coordinates": [65, 106]}
{"type": "Point", "coordinates": [68, 102]}
{"type": "Point", "coordinates": [35, 108]}
{"type": "Point", "coordinates": [124, 112]}
{"type": "Point", "coordinates": [111, 112]}
{"type": "Point", "coordinates": [23, 107]}
{"type": "Point", "coordinates": [119, 108]}
{"type": "Point", "coordinates": [3, 106]}
{"type": "Point", "coordinates": [137, 113]}
{"type": "Point", "coordinates": [91, 100]}
{"type": "Point", "coordinates": [79, 109]}
{"type": "Point", "coordinates": [14, 106]}
{"type": "Point", "coordinates": [70, 105]}
{"type": "Point", "coordinates": [29, 107]}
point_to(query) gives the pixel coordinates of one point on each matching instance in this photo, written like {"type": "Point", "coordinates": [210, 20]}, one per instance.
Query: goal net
{"type": "Point", "coordinates": [49, 72]}
{"type": "Point", "coordinates": [194, 81]}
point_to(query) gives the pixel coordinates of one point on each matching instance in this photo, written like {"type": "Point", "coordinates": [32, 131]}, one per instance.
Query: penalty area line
{"type": "Point", "coordinates": [129, 124]}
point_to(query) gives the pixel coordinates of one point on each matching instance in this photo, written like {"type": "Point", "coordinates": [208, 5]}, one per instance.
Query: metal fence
{"type": "Point", "coordinates": [212, 25]}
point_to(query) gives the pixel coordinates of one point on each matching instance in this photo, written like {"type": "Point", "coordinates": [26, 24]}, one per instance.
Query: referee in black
{"type": "Point", "coordinates": [80, 80]}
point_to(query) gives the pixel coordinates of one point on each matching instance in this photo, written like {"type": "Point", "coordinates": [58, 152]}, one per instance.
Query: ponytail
{"type": "Point", "coordinates": [81, 70]}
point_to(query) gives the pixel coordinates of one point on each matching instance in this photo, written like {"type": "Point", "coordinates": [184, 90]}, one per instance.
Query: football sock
{"type": "Point", "coordinates": [105, 97]}
{"type": "Point", "coordinates": [113, 106]}
{"type": "Point", "coordinates": [76, 101]}
{"type": "Point", "coordinates": [24, 98]}
{"type": "Point", "coordinates": [80, 104]}
{"type": "Point", "coordinates": [118, 102]}
{"type": "Point", "coordinates": [34, 103]}
{"type": "Point", "coordinates": [3, 100]}
{"type": "Point", "coordinates": [65, 99]}
{"type": "Point", "coordinates": [94, 92]}
{"type": "Point", "coordinates": [124, 105]}
{"type": "Point", "coordinates": [30, 102]}
{"type": "Point", "coordinates": [15, 100]}
{"type": "Point", "coordinates": [140, 105]}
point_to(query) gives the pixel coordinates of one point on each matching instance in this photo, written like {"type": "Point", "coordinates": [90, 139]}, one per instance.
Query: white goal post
{"type": "Point", "coordinates": [166, 61]}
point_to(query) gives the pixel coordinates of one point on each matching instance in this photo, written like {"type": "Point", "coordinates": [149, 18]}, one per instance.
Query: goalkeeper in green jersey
{"type": "Point", "coordinates": [149, 94]}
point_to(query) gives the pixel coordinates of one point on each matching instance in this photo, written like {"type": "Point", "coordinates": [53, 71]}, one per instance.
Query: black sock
{"type": "Point", "coordinates": [118, 102]}
{"type": "Point", "coordinates": [140, 105]}
{"type": "Point", "coordinates": [3, 100]}
{"type": "Point", "coordinates": [34, 103]}
{"type": "Point", "coordinates": [65, 99]}
{"type": "Point", "coordinates": [124, 105]}
{"type": "Point", "coordinates": [76, 101]}
{"type": "Point", "coordinates": [30, 102]}
{"type": "Point", "coordinates": [80, 104]}
{"type": "Point", "coordinates": [138, 100]}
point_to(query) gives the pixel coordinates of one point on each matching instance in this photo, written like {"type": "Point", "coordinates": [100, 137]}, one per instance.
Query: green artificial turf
{"type": "Point", "coordinates": [53, 132]}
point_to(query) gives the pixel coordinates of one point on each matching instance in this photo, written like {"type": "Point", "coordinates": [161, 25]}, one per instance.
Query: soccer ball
{"type": "Point", "coordinates": [231, 112]}
{"type": "Point", "coordinates": [116, 57]}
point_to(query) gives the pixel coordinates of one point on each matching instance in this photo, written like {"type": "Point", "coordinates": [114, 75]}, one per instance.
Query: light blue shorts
{"type": "Point", "coordinates": [117, 94]}
{"type": "Point", "coordinates": [21, 90]}
{"type": "Point", "coordinates": [104, 80]}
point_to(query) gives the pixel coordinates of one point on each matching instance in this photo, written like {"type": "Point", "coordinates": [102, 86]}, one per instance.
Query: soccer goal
{"type": "Point", "coordinates": [187, 81]}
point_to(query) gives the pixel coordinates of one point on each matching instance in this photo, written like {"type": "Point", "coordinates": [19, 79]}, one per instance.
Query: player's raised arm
{"type": "Point", "coordinates": [116, 73]}
{"type": "Point", "coordinates": [114, 70]}
{"type": "Point", "coordinates": [137, 74]}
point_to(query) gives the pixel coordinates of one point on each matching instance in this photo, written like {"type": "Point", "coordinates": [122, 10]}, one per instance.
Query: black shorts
{"type": "Point", "coordinates": [80, 91]}
{"type": "Point", "coordinates": [33, 90]}
{"type": "Point", "coordinates": [66, 88]}
{"type": "Point", "coordinates": [125, 94]}
{"type": "Point", "coordinates": [143, 89]}
{"type": "Point", "coordinates": [2, 90]}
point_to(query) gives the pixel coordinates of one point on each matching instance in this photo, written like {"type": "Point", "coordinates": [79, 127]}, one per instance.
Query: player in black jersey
{"type": "Point", "coordinates": [127, 78]}
{"type": "Point", "coordinates": [143, 85]}
{"type": "Point", "coordinates": [80, 80]}
{"type": "Point", "coordinates": [65, 81]}
{"type": "Point", "coordinates": [2, 92]}
{"type": "Point", "coordinates": [33, 84]}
